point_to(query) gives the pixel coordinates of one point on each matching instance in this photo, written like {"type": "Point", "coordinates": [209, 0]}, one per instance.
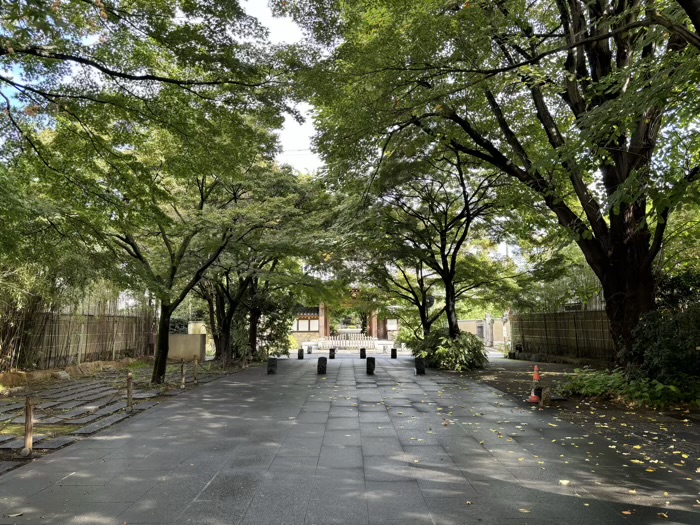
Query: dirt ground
{"type": "Point", "coordinates": [661, 439]}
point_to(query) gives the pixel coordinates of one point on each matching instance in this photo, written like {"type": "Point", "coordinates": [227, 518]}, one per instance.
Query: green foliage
{"type": "Point", "coordinates": [668, 340]}
{"type": "Point", "coordinates": [399, 81]}
{"type": "Point", "coordinates": [684, 390]}
{"type": "Point", "coordinates": [679, 290]}
{"type": "Point", "coordinates": [293, 344]}
{"type": "Point", "coordinates": [178, 326]}
{"type": "Point", "coordinates": [466, 352]}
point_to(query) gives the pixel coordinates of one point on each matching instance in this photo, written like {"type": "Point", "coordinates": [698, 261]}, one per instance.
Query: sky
{"type": "Point", "coordinates": [295, 138]}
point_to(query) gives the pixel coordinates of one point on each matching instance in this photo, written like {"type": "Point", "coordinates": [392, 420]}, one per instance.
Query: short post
{"type": "Point", "coordinates": [331, 353]}
{"type": "Point", "coordinates": [370, 366]}
{"type": "Point", "coordinates": [393, 353]}
{"type": "Point", "coordinates": [300, 353]}
{"type": "Point", "coordinates": [182, 373]}
{"type": "Point", "coordinates": [129, 392]}
{"type": "Point", "coordinates": [321, 366]}
{"type": "Point", "coordinates": [271, 365]}
{"type": "Point", "coordinates": [195, 370]}
{"type": "Point", "coordinates": [28, 427]}
{"type": "Point", "coordinates": [420, 366]}
{"type": "Point", "coordinates": [363, 353]}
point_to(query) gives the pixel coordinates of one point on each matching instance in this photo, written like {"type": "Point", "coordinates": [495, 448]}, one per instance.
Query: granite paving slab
{"type": "Point", "coordinates": [102, 424]}
{"type": "Point", "coordinates": [6, 466]}
{"type": "Point", "coordinates": [9, 407]}
{"type": "Point", "coordinates": [297, 448]}
{"type": "Point", "coordinates": [145, 405]}
{"type": "Point", "coordinates": [57, 442]}
{"type": "Point", "coordinates": [18, 443]}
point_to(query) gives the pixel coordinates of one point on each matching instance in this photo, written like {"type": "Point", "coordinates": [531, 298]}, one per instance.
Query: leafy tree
{"type": "Point", "coordinates": [73, 56]}
{"type": "Point", "coordinates": [590, 107]}
{"type": "Point", "coordinates": [263, 274]}
{"type": "Point", "coordinates": [162, 205]}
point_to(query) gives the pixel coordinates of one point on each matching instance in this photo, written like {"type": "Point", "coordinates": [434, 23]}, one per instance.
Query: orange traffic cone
{"type": "Point", "coordinates": [536, 391]}
{"type": "Point", "coordinates": [533, 398]}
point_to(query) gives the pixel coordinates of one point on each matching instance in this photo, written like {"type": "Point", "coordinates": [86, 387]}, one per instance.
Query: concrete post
{"type": "Point", "coordinates": [321, 366]}
{"type": "Point", "coordinates": [370, 366]}
{"type": "Point", "coordinates": [271, 365]}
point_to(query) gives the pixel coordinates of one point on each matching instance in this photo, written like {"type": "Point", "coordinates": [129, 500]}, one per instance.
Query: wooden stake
{"type": "Point", "coordinates": [28, 427]}
{"type": "Point", "coordinates": [129, 391]}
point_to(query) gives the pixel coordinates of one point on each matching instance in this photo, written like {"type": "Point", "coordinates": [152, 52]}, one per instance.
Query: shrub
{"type": "Point", "coordinates": [667, 340]}
{"type": "Point", "coordinates": [466, 352]}
{"type": "Point", "coordinates": [644, 391]}
{"type": "Point", "coordinates": [178, 325]}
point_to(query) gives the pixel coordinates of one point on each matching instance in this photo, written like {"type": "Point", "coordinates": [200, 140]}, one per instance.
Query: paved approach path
{"type": "Point", "coordinates": [345, 448]}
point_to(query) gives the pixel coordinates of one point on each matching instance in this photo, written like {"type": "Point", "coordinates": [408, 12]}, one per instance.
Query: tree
{"type": "Point", "coordinates": [262, 273]}
{"type": "Point", "coordinates": [73, 56]}
{"type": "Point", "coordinates": [589, 106]}
{"type": "Point", "coordinates": [160, 205]}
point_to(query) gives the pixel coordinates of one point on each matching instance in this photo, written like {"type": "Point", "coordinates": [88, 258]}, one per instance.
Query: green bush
{"type": "Point", "coordinates": [667, 340]}
{"type": "Point", "coordinates": [644, 391]}
{"type": "Point", "coordinates": [466, 352]}
{"type": "Point", "coordinates": [178, 325]}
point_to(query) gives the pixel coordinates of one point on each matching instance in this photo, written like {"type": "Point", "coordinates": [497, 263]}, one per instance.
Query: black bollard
{"type": "Point", "coordinates": [321, 366]}
{"type": "Point", "coordinates": [363, 353]}
{"type": "Point", "coordinates": [420, 366]}
{"type": "Point", "coordinates": [393, 353]}
{"type": "Point", "coordinates": [300, 353]}
{"type": "Point", "coordinates": [331, 353]}
{"type": "Point", "coordinates": [370, 366]}
{"type": "Point", "coordinates": [271, 365]}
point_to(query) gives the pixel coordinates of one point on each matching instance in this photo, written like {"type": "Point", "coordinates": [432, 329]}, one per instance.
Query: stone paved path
{"type": "Point", "coordinates": [345, 448]}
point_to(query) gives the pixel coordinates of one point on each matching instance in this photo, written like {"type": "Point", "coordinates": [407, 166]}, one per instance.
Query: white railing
{"type": "Point", "coordinates": [348, 341]}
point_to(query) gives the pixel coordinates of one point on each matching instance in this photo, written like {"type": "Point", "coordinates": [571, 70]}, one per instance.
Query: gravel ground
{"type": "Point", "coordinates": [660, 439]}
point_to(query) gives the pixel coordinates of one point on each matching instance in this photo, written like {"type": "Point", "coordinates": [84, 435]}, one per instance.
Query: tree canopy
{"type": "Point", "coordinates": [590, 108]}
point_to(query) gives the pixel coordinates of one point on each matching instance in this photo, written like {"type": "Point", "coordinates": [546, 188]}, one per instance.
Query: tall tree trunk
{"type": "Point", "coordinates": [253, 318]}
{"type": "Point", "coordinates": [213, 325]}
{"type": "Point", "coordinates": [629, 289]}
{"type": "Point", "coordinates": [253, 331]}
{"type": "Point", "coordinates": [162, 344]}
{"type": "Point", "coordinates": [424, 320]}
{"type": "Point", "coordinates": [451, 308]}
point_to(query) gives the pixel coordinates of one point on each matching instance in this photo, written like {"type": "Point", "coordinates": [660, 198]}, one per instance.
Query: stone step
{"type": "Point", "coordinates": [6, 466]}
{"type": "Point", "coordinates": [18, 443]}
{"type": "Point", "coordinates": [102, 423]}
{"type": "Point", "coordinates": [146, 405]}
{"type": "Point", "coordinates": [9, 407]}
{"type": "Point", "coordinates": [57, 442]}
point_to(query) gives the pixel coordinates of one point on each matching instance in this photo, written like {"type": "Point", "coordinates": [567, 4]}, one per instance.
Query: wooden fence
{"type": "Point", "coordinates": [582, 335]}
{"type": "Point", "coordinates": [52, 340]}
